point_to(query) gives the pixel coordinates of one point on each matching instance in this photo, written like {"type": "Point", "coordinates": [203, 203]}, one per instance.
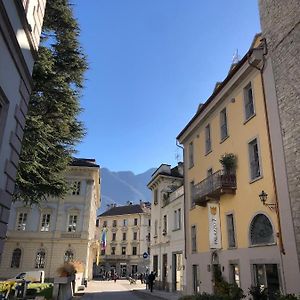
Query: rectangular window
{"type": "Point", "coordinates": [191, 155]}
{"type": "Point", "coordinates": [97, 223]}
{"type": "Point", "coordinates": [195, 279]}
{"type": "Point", "coordinates": [165, 225]}
{"type": "Point", "coordinates": [207, 139]}
{"type": "Point", "coordinates": [155, 263]}
{"type": "Point", "coordinates": [124, 236]}
{"type": "Point", "coordinates": [104, 223]}
{"type": "Point", "coordinates": [134, 250]}
{"type": "Point", "coordinates": [135, 222]}
{"type": "Point", "coordinates": [155, 195]}
{"type": "Point", "coordinates": [125, 222]}
{"type": "Point", "coordinates": [234, 275]}
{"type": "Point", "coordinates": [45, 225]}
{"type": "Point", "coordinates": [135, 236]}
{"type": "Point", "coordinates": [192, 194]}
{"type": "Point", "coordinates": [22, 220]}
{"type": "Point", "coordinates": [248, 101]}
{"type": "Point", "coordinates": [72, 223]}
{"type": "Point", "coordinates": [194, 238]}
{"type": "Point", "coordinates": [230, 231]}
{"type": "Point", "coordinates": [177, 219]}
{"type": "Point", "coordinates": [113, 250]}
{"type": "Point", "coordinates": [102, 251]}
{"type": "Point", "coordinates": [114, 223]}
{"type": "Point", "coordinates": [223, 124]}
{"type": "Point", "coordinates": [113, 236]}
{"type": "Point", "coordinates": [149, 222]}
{"type": "Point", "coordinates": [123, 251]}
{"type": "Point", "coordinates": [254, 160]}
{"type": "Point", "coordinates": [76, 188]}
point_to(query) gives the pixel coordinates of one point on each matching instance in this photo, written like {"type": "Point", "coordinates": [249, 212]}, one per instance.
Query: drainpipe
{"type": "Point", "coordinates": [279, 233]}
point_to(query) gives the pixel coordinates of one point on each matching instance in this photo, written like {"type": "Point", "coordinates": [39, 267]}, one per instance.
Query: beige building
{"type": "Point", "coordinates": [125, 240]}
{"type": "Point", "coordinates": [20, 28]}
{"type": "Point", "coordinates": [167, 231]}
{"type": "Point", "coordinates": [60, 230]}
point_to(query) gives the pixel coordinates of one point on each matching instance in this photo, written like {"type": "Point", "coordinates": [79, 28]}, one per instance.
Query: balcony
{"type": "Point", "coordinates": [213, 187]}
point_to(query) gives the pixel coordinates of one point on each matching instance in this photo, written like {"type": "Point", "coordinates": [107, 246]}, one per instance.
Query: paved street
{"type": "Point", "coordinates": [110, 290]}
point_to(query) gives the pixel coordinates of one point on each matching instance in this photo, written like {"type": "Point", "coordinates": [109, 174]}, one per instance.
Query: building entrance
{"type": "Point", "coordinates": [123, 269]}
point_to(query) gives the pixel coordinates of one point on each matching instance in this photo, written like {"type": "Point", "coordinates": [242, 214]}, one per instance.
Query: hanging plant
{"type": "Point", "coordinates": [229, 162]}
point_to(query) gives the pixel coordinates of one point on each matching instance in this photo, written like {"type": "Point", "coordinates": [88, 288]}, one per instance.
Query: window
{"type": "Point", "coordinates": [16, 258]}
{"type": "Point", "coordinates": [133, 269]}
{"type": "Point", "coordinates": [123, 251]}
{"type": "Point", "coordinates": [254, 160]}
{"type": "Point", "coordinates": [155, 228]}
{"type": "Point", "coordinates": [177, 219]}
{"type": "Point", "coordinates": [135, 236]}
{"type": "Point", "coordinates": [148, 250]}
{"type": "Point", "coordinates": [230, 230]}
{"type": "Point", "coordinates": [261, 230]}
{"type": "Point", "coordinates": [114, 223]}
{"type": "Point", "coordinates": [148, 237]}
{"type": "Point", "coordinates": [45, 225]}
{"type": "Point", "coordinates": [97, 223]}
{"type": "Point", "coordinates": [124, 236]}
{"type": "Point", "coordinates": [155, 263]}
{"type": "Point", "coordinates": [149, 222]}
{"type": "Point", "coordinates": [72, 223]}
{"type": "Point", "coordinates": [248, 101]}
{"type": "Point", "coordinates": [234, 275]}
{"type": "Point", "coordinates": [155, 195]}
{"type": "Point", "coordinates": [165, 225]}
{"type": "Point", "coordinates": [113, 236]}
{"type": "Point", "coordinates": [113, 250]}
{"type": "Point", "coordinates": [223, 124]}
{"type": "Point", "coordinates": [104, 223]}
{"type": "Point", "coordinates": [207, 139]}
{"type": "Point", "coordinates": [125, 222]}
{"type": "Point", "coordinates": [195, 279]}
{"type": "Point", "coordinates": [40, 259]}
{"type": "Point", "coordinates": [192, 194]}
{"type": "Point", "coordinates": [22, 219]}
{"type": "Point", "coordinates": [69, 255]}
{"type": "Point", "coordinates": [102, 251]}
{"type": "Point", "coordinates": [194, 238]}
{"type": "Point", "coordinates": [191, 154]}
{"type": "Point", "coordinates": [135, 222]}
{"type": "Point", "coordinates": [134, 250]}
{"type": "Point", "coordinates": [76, 188]}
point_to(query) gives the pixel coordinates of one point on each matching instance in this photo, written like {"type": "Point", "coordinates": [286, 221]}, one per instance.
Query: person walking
{"type": "Point", "coordinates": [151, 279]}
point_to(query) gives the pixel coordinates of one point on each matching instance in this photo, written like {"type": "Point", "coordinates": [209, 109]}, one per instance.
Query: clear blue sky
{"type": "Point", "coordinates": [151, 63]}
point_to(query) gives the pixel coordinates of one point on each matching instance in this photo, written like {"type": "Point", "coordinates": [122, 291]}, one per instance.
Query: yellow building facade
{"type": "Point", "coordinates": [230, 232]}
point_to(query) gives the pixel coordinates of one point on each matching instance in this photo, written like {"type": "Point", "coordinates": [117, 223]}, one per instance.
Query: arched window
{"type": "Point", "coordinates": [261, 230]}
{"type": "Point", "coordinates": [16, 258]}
{"type": "Point", "coordinates": [69, 255]}
{"type": "Point", "coordinates": [40, 259]}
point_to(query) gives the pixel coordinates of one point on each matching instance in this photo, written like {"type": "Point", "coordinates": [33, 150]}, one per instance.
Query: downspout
{"type": "Point", "coordinates": [279, 233]}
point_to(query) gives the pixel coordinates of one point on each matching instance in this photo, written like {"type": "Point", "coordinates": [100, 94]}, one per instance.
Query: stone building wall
{"type": "Point", "coordinates": [280, 21]}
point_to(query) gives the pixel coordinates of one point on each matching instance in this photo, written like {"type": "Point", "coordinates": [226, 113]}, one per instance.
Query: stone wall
{"type": "Point", "coordinates": [280, 21]}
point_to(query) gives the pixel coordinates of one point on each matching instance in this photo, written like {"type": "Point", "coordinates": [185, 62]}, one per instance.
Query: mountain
{"type": "Point", "coordinates": [123, 186]}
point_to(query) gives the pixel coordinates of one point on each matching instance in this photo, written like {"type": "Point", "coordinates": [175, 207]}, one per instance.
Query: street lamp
{"type": "Point", "coordinates": [263, 196]}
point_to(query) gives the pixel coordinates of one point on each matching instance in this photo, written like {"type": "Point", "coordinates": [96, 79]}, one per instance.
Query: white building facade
{"type": "Point", "coordinates": [20, 28]}
{"type": "Point", "coordinates": [59, 230]}
{"type": "Point", "coordinates": [167, 230]}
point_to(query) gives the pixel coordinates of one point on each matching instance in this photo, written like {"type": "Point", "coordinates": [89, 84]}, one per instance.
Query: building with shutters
{"type": "Point", "coordinates": [20, 29]}
{"type": "Point", "coordinates": [233, 224]}
{"type": "Point", "coordinates": [59, 230]}
{"type": "Point", "coordinates": [125, 240]}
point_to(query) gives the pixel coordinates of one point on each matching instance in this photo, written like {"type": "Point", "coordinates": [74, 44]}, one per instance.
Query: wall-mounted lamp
{"type": "Point", "coordinates": [263, 196]}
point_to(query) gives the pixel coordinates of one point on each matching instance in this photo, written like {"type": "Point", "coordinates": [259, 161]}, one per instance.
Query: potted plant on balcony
{"type": "Point", "coordinates": [229, 163]}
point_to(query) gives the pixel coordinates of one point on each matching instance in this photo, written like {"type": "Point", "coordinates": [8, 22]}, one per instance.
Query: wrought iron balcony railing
{"type": "Point", "coordinates": [213, 187]}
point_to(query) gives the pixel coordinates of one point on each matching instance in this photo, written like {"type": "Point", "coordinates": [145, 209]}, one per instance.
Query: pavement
{"type": "Point", "coordinates": [121, 290]}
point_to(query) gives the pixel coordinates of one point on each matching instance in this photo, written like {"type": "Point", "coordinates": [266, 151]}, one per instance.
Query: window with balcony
{"type": "Point", "coordinates": [230, 231]}
{"type": "Point", "coordinates": [135, 221]}
{"type": "Point", "coordinates": [134, 250]}
{"type": "Point", "coordinates": [16, 258]}
{"type": "Point", "coordinates": [45, 224]}
{"type": "Point", "coordinates": [21, 221]}
{"type": "Point", "coordinates": [207, 139]}
{"type": "Point", "coordinates": [124, 236]}
{"type": "Point", "coordinates": [72, 225]}
{"type": "Point", "coordinates": [248, 102]}
{"type": "Point", "coordinates": [223, 124]}
{"type": "Point", "coordinates": [113, 236]}
{"type": "Point", "coordinates": [194, 238]}
{"type": "Point", "coordinates": [135, 236]}
{"type": "Point", "coordinates": [255, 169]}
{"type": "Point", "coordinates": [123, 250]}
{"type": "Point", "coordinates": [191, 154]}
{"type": "Point", "coordinates": [114, 224]}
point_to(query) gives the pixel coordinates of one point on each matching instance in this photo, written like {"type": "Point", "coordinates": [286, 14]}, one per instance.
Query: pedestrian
{"type": "Point", "coordinates": [146, 279]}
{"type": "Point", "coordinates": [151, 279]}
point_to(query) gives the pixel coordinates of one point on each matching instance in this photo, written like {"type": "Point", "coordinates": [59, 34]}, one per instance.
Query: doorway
{"type": "Point", "coordinates": [165, 271]}
{"type": "Point", "coordinates": [177, 272]}
{"type": "Point", "coordinates": [123, 269]}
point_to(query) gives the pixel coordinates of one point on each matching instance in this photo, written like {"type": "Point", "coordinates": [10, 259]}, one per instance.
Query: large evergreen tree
{"type": "Point", "coordinates": [52, 126]}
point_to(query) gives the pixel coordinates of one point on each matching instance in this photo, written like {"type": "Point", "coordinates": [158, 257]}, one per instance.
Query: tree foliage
{"type": "Point", "coordinates": [52, 127]}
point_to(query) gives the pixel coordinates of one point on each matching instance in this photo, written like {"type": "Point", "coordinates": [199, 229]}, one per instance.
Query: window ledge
{"type": "Point", "coordinates": [177, 229]}
{"type": "Point", "coordinates": [224, 139]}
{"type": "Point", "coordinates": [255, 179]}
{"type": "Point", "coordinates": [232, 248]}
{"type": "Point", "coordinates": [251, 117]}
{"type": "Point", "coordinates": [208, 152]}
{"type": "Point", "coordinates": [263, 245]}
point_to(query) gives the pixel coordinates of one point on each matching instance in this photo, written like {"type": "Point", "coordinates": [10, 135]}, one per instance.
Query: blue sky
{"type": "Point", "coordinates": [151, 63]}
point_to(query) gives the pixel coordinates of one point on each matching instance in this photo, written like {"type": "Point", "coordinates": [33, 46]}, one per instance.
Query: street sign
{"type": "Point", "coordinates": [145, 255]}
